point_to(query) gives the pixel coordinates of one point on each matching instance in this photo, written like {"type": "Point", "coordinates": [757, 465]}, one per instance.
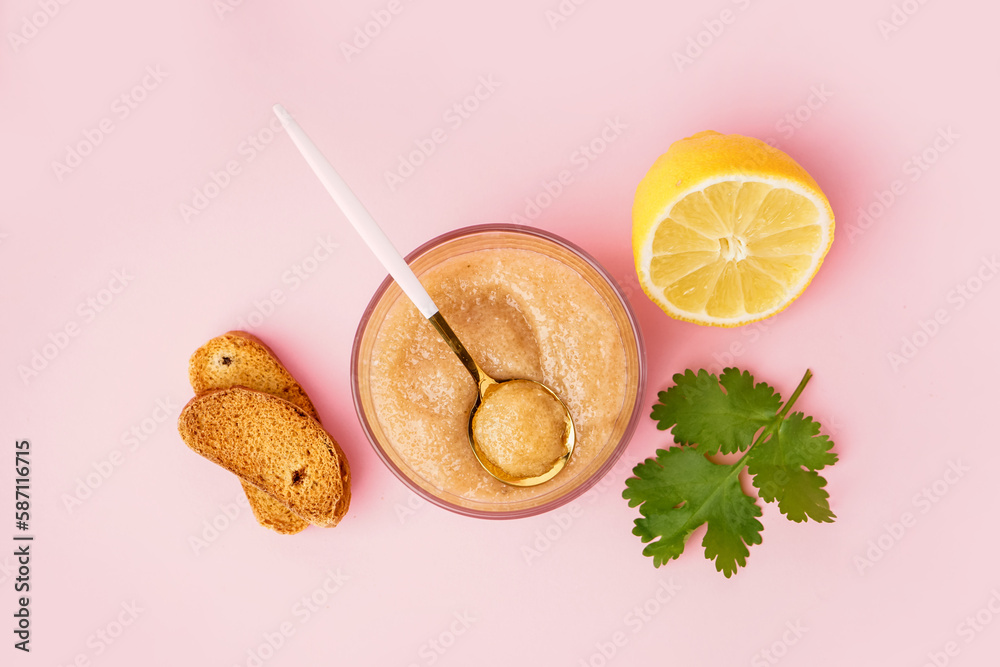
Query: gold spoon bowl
{"type": "Point", "coordinates": [561, 439]}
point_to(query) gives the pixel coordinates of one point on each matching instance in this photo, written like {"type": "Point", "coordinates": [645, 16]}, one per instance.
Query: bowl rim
{"type": "Point", "coordinates": [627, 433]}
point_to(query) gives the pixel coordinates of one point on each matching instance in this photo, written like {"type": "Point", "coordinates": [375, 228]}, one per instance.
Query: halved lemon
{"type": "Point", "coordinates": [727, 230]}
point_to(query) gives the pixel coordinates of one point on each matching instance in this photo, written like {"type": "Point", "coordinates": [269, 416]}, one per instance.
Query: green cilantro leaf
{"type": "Point", "coordinates": [784, 468]}
{"type": "Point", "coordinates": [700, 412]}
{"type": "Point", "coordinates": [680, 490]}
{"type": "Point", "coordinates": [683, 488]}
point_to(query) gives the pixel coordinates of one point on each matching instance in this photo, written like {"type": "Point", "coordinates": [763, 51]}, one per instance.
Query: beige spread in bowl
{"type": "Point", "coordinates": [526, 305]}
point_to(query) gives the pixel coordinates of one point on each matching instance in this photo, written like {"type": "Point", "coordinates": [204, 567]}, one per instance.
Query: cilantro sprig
{"type": "Point", "coordinates": [682, 488]}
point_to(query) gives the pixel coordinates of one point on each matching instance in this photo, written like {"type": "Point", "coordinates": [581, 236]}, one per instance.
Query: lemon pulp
{"type": "Point", "coordinates": [735, 247]}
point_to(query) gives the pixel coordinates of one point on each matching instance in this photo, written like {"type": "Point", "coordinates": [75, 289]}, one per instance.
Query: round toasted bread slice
{"type": "Point", "coordinates": [271, 444]}
{"type": "Point", "coordinates": [241, 359]}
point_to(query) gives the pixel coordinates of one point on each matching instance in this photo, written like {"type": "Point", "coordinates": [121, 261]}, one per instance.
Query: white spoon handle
{"type": "Point", "coordinates": [358, 216]}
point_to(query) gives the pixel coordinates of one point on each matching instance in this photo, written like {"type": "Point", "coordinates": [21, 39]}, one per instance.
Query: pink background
{"type": "Point", "coordinates": [808, 595]}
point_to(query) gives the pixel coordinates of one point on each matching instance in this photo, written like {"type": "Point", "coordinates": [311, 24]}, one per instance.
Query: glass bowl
{"type": "Point", "coordinates": [604, 396]}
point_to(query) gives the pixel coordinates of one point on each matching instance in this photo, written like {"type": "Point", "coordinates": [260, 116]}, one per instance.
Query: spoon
{"type": "Point", "coordinates": [401, 272]}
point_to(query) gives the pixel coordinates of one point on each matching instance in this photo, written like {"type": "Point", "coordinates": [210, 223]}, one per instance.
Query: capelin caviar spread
{"type": "Point", "coordinates": [521, 314]}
